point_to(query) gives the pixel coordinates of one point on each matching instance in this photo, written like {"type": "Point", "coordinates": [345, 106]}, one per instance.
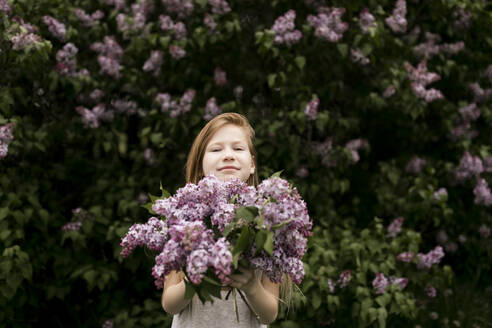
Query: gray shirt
{"type": "Point", "coordinates": [220, 314]}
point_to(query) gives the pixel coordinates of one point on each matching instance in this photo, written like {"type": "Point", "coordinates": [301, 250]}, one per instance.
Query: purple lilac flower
{"type": "Point", "coordinates": [357, 56]}
{"type": "Point", "coordinates": [86, 19]}
{"type": "Point", "coordinates": [181, 8]}
{"type": "Point", "coordinates": [149, 156]}
{"type": "Point", "coordinates": [440, 194]}
{"type": "Point", "coordinates": [154, 63]}
{"type": "Point", "coordinates": [57, 29]}
{"type": "Point", "coordinates": [220, 77]}
{"type": "Point", "coordinates": [24, 39]}
{"type": "Point", "coordinates": [480, 95]}
{"type": "Point", "coordinates": [488, 72]}
{"type": "Point", "coordinates": [397, 21]}
{"type": "Point", "coordinates": [107, 324]}
{"type": "Point", "coordinates": [109, 48]}
{"type": "Point", "coordinates": [221, 259]}
{"type": "Point", "coordinates": [96, 94]}
{"type": "Point", "coordinates": [219, 7]}
{"type": "Point", "coordinates": [124, 106]}
{"type": "Point", "coordinates": [401, 282]}
{"type": "Point", "coordinates": [430, 291]}
{"type": "Point", "coordinates": [354, 146]}
{"type": "Point", "coordinates": [71, 226]}
{"type": "Point", "coordinates": [91, 118]}
{"type": "Point", "coordinates": [197, 264]}
{"type": "Point", "coordinates": [211, 109]}
{"type": "Point", "coordinates": [178, 28]}
{"type": "Point", "coordinates": [311, 109]}
{"type": "Point", "coordinates": [6, 137]}
{"type": "Point", "coordinates": [118, 4]}
{"type": "Point", "coordinates": [109, 66]}
{"type": "Point", "coordinates": [395, 227]}
{"type": "Point", "coordinates": [331, 285]}
{"type": "Point", "coordinates": [66, 61]}
{"type": "Point", "coordinates": [4, 7]}
{"type": "Point", "coordinates": [482, 193]}
{"type": "Point", "coordinates": [415, 164]}
{"type": "Point", "coordinates": [484, 231]}
{"type": "Point", "coordinates": [433, 257]}
{"type": "Point", "coordinates": [389, 91]}
{"type": "Point", "coordinates": [462, 19]}
{"type": "Point", "coordinates": [470, 112]}
{"type": "Point", "coordinates": [176, 51]}
{"type": "Point", "coordinates": [469, 166]}
{"type": "Point", "coordinates": [419, 78]}
{"type": "Point", "coordinates": [328, 24]}
{"type": "Point", "coordinates": [344, 279]}
{"type": "Point", "coordinates": [366, 20]}
{"type": "Point", "coordinates": [380, 283]}
{"type": "Point", "coordinates": [4, 149]}
{"type": "Point", "coordinates": [209, 22]}
{"type": "Point", "coordinates": [284, 29]}
{"type": "Point", "coordinates": [405, 257]}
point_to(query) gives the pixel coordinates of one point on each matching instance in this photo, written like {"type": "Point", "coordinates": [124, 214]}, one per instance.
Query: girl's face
{"type": "Point", "coordinates": [227, 154]}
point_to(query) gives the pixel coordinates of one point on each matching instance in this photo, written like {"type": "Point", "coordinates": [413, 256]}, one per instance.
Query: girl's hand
{"type": "Point", "coordinates": [246, 280]}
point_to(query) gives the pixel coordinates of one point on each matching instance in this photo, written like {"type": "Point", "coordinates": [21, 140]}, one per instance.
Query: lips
{"type": "Point", "coordinates": [228, 167]}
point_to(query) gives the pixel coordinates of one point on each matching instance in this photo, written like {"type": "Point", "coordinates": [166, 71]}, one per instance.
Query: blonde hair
{"type": "Point", "coordinates": [194, 173]}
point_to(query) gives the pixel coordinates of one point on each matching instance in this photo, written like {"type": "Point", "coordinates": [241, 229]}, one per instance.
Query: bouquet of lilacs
{"type": "Point", "coordinates": [207, 229]}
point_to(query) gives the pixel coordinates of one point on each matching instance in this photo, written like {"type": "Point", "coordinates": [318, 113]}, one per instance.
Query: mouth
{"type": "Point", "coordinates": [228, 168]}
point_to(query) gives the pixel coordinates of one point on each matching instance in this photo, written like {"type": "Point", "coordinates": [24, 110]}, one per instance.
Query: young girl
{"type": "Point", "coordinates": [225, 148]}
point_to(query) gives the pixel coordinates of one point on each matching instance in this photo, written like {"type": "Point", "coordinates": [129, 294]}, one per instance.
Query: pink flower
{"type": "Point", "coordinates": [154, 63]}
{"type": "Point", "coordinates": [366, 20]}
{"type": "Point", "coordinates": [484, 231]}
{"type": "Point", "coordinates": [211, 109]}
{"type": "Point", "coordinates": [397, 21]}
{"type": "Point", "coordinates": [395, 227]}
{"type": "Point", "coordinates": [405, 257]}
{"type": "Point", "coordinates": [430, 291]}
{"type": "Point", "coordinates": [433, 257]}
{"type": "Point", "coordinates": [380, 283]}
{"type": "Point", "coordinates": [344, 279]}
{"type": "Point", "coordinates": [482, 193]}
{"type": "Point", "coordinates": [219, 7]}
{"type": "Point", "coordinates": [284, 29]}
{"type": "Point", "coordinates": [220, 77]}
{"type": "Point", "coordinates": [328, 24]}
{"type": "Point", "coordinates": [401, 282]}
{"type": "Point", "coordinates": [57, 29]}
{"type": "Point", "coordinates": [389, 91]}
{"type": "Point", "coordinates": [311, 109]}
{"type": "Point", "coordinates": [176, 52]}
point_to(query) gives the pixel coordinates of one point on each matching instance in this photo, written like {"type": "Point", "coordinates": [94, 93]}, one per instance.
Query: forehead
{"type": "Point", "coordinates": [229, 133]}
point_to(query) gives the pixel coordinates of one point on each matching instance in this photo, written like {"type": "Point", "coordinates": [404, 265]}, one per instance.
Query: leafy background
{"type": "Point", "coordinates": [58, 170]}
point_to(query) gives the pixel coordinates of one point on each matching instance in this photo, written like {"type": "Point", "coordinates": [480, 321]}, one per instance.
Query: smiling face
{"type": "Point", "coordinates": [227, 154]}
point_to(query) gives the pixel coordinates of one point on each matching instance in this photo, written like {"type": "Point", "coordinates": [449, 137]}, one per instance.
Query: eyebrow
{"type": "Point", "coordinates": [220, 143]}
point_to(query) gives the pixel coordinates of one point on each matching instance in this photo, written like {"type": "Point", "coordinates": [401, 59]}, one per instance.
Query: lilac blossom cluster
{"type": "Point", "coordinates": [125, 106]}
{"type": "Point", "coordinates": [389, 91]}
{"type": "Point", "coordinates": [220, 77]}
{"type": "Point", "coordinates": [176, 51]}
{"type": "Point", "coordinates": [484, 231]}
{"type": "Point", "coordinates": [25, 36]}
{"type": "Point", "coordinates": [209, 22]}
{"type": "Point", "coordinates": [462, 19]}
{"type": "Point", "coordinates": [4, 7]}
{"type": "Point", "coordinates": [219, 7]}
{"type": "Point", "coordinates": [324, 149]}
{"type": "Point", "coordinates": [179, 28]}
{"type": "Point", "coordinates": [395, 227]}
{"type": "Point", "coordinates": [181, 8]}
{"type": "Point", "coordinates": [175, 109]}
{"type": "Point", "coordinates": [468, 114]}
{"type": "Point", "coordinates": [415, 164]}
{"type": "Point", "coordinates": [482, 193]}
{"type": "Point", "coordinates": [429, 48]}
{"type": "Point", "coordinates": [92, 118]}
{"type": "Point", "coordinates": [470, 166]}
{"type": "Point", "coordinates": [311, 109]}
{"type": "Point", "coordinates": [480, 95]}
{"type": "Point", "coordinates": [57, 29]}
{"type": "Point", "coordinates": [342, 282]}
{"type": "Point", "coordinates": [354, 146]}
{"type": "Point", "coordinates": [79, 216]}
{"type": "Point", "coordinates": [154, 63]}
{"type": "Point", "coordinates": [110, 53]}
{"type": "Point", "coordinates": [357, 56]}
{"type": "Point", "coordinates": [397, 21]}
{"type": "Point", "coordinates": [419, 78]}
{"type": "Point", "coordinates": [211, 109]}
{"type": "Point", "coordinates": [432, 257]}
{"type": "Point", "coordinates": [66, 61]}
{"type": "Point", "coordinates": [440, 194]}
{"type": "Point", "coordinates": [118, 4]}
{"type": "Point", "coordinates": [284, 29]}
{"type": "Point", "coordinates": [328, 24]}
{"type": "Point", "coordinates": [86, 19]}
{"type": "Point", "coordinates": [136, 23]}
{"type": "Point", "coordinates": [6, 137]}
{"type": "Point", "coordinates": [187, 243]}
{"type": "Point", "coordinates": [380, 282]}
{"type": "Point", "coordinates": [366, 20]}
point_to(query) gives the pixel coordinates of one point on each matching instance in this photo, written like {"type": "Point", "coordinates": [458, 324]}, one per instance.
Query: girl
{"type": "Point", "coordinates": [225, 148]}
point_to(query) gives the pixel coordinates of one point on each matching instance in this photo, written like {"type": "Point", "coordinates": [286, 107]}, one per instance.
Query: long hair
{"type": "Point", "coordinates": [194, 163]}
{"type": "Point", "coordinates": [194, 173]}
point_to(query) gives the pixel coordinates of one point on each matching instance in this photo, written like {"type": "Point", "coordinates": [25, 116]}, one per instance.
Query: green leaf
{"type": "Point", "coordinates": [268, 247]}
{"type": "Point", "coordinates": [247, 213]}
{"type": "Point", "coordinates": [260, 239]}
{"type": "Point", "coordinates": [271, 80]}
{"type": "Point", "coordinates": [276, 174]}
{"type": "Point", "coordinates": [3, 212]}
{"type": "Point", "coordinates": [189, 290]}
{"type": "Point", "coordinates": [382, 315]}
{"type": "Point", "coordinates": [300, 62]}
{"type": "Point", "coordinates": [277, 226]}
{"type": "Point", "coordinates": [343, 49]}
{"type": "Point", "coordinates": [212, 281]}
{"type": "Point", "coordinates": [244, 241]}
{"type": "Point", "coordinates": [165, 193]}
